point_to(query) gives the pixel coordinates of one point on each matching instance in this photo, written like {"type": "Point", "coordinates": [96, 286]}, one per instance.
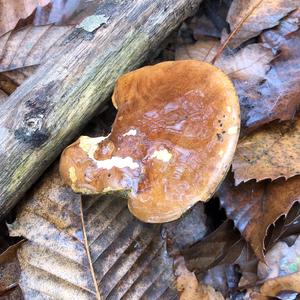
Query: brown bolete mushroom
{"type": "Point", "coordinates": [171, 144]}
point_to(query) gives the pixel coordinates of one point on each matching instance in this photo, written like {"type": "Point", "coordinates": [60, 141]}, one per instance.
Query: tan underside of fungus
{"type": "Point", "coordinates": [171, 144]}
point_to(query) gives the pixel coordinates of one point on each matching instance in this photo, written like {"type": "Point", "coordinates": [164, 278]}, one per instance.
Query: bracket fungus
{"type": "Point", "coordinates": [171, 144]}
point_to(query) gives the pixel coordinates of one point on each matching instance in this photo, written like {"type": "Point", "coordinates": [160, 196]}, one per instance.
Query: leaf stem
{"type": "Point", "coordinates": [234, 32]}
{"type": "Point", "coordinates": [86, 244]}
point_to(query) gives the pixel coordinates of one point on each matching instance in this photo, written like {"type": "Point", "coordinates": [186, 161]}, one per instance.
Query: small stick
{"type": "Point", "coordinates": [98, 296]}
{"type": "Point", "coordinates": [237, 29]}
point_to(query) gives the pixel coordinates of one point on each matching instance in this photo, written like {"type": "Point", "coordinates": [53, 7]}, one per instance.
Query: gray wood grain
{"type": "Point", "coordinates": [44, 114]}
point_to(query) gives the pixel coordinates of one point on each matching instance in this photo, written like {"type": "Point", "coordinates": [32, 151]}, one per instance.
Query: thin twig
{"type": "Point", "coordinates": [98, 296]}
{"type": "Point", "coordinates": [234, 32]}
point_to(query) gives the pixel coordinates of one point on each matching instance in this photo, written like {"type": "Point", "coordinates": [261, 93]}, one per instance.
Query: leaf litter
{"type": "Point", "coordinates": [133, 260]}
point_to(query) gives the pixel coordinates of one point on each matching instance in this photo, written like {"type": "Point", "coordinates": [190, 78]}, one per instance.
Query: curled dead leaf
{"type": "Point", "coordinates": [189, 287]}
{"type": "Point", "coordinates": [273, 287]}
{"type": "Point", "coordinates": [255, 206]}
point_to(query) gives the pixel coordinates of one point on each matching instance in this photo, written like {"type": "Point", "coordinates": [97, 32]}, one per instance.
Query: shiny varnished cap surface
{"type": "Point", "coordinates": [171, 144]}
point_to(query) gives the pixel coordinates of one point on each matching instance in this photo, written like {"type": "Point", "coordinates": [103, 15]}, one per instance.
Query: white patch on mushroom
{"type": "Point", "coordinates": [72, 174]}
{"type": "Point", "coordinates": [163, 155]}
{"type": "Point", "coordinates": [221, 152]}
{"type": "Point", "coordinates": [117, 162]}
{"type": "Point", "coordinates": [132, 132]}
{"type": "Point", "coordinates": [228, 109]}
{"type": "Point", "coordinates": [90, 145]}
{"type": "Point", "coordinates": [107, 189]}
{"type": "Point", "coordinates": [232, 130]}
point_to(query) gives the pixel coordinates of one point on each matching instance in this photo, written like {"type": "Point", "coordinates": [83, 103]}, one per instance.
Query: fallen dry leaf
{"type": "Point", "coordinates": [255, 206]}
{"type": "Point", "coordinates": [281, 270]}
{"type": "Point", "coordinates": [270, 153]}
{"type": "Point", "coordinates": [273, 287]}
{"type": "Point", "coordinates": [278, 96]}
{"type": "Point", "coordinates": [227, 246]}
{"type": "Point", "coordinates": [129, 257]}
{"type": "Point", "coordinates": [280, 260]}
{"type": "Point", "coordinates": [249, 64]}
{"type": "Point", "coordinates": [266, 15]}
{"type": "Point", "coordinates": [189, 287]}
{"type": "Point", "coordinates": [203, 50]}
{"type": "Point", "coordinates": [247, 68]}
{"type": "Point", "coordinates": [53, 260]}
{"type": "Point", "coordinates": [203, 26]}
{"type": "Point", "coordinates": [12, 11]}
{"type": "Point", "coordinates": [10, 273]}
{"type": "Point", "coordinates": [265, 75]}
{"type": "Point", "coordinates": [25, 46]}
{"type": "Point", "coordinates": [247, 263]}
{"type": "Point", "coordinates": [29, 43]}
{"type": "Point", "coordinates": [28, 46]}
{"type": "Point", "coordinates": [285, 228]}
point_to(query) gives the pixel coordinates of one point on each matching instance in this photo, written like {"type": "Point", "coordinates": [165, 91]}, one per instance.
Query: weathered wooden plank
{"type": "Point", "coordinates": [48, 110]}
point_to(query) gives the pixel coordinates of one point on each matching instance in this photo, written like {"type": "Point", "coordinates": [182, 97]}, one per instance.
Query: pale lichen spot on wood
{"type": "Point", "coordinates": [93, 22]}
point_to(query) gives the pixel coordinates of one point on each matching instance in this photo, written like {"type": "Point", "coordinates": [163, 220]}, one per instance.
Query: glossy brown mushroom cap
{"type": "Point", "coordinates": [171, 144]}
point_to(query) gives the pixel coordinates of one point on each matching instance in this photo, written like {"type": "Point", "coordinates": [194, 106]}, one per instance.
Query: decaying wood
{"type": "Point", "coordinates": [50, 108]}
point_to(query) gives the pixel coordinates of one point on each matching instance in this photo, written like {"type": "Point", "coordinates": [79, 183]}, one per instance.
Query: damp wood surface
{"type": "Point", "coordinates": [47, 112]}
